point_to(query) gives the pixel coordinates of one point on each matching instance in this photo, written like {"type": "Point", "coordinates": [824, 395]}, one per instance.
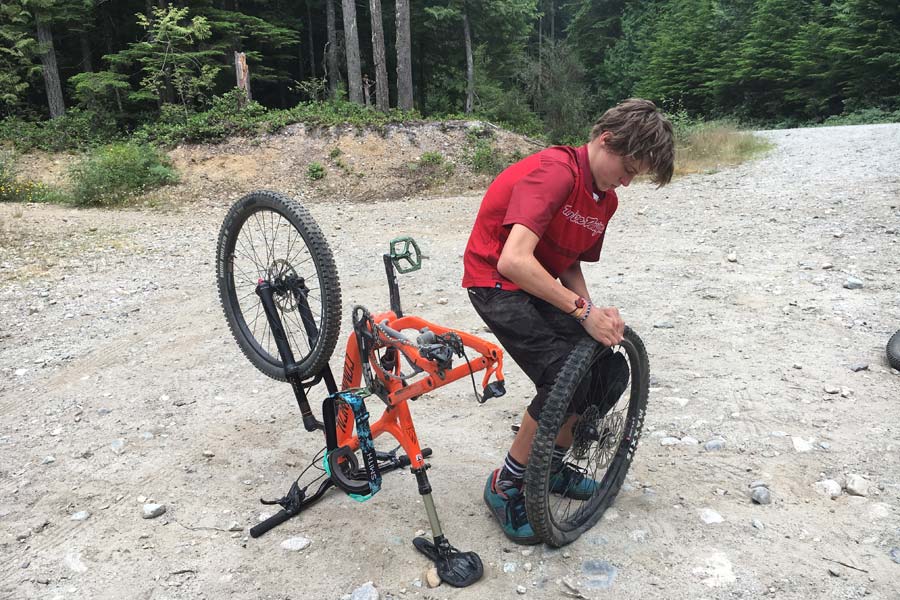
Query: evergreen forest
{"type": "Point", "coordinates": [99, 69]}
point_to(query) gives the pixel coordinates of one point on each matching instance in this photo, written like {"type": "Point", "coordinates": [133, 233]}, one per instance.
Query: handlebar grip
{"type": "Point", "coordinates": [274, 521]}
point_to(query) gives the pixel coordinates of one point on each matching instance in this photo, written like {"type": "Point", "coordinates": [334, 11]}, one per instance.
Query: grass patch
{"type": "Point", "coordinates": [315, 171]}
{"type": "Point", "coordinates": [13, 189]}
{"type": "Point", "coordinates": [429, 170]}
{"type": "Point", "coordinates": [118, 173]}
{"type": "Point", "coordinates": [701, 147]}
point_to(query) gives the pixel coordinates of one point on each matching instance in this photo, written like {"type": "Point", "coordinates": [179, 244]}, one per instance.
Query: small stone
{"type": "Point", "coordinates": [895, 555]}
{"type": "Point", "coordinates": [801, 445]}
{"type": "Point", "coordinates": [838, 234]}
{"type": "Point", "coordinates": [732, 257]}
{"type": "Point", "coordinates": [141, 499]}
{"type": "Point", "coordinates": [761, 495]}
{"type": "Point", "coordinates": [151, 511]}
{"type": "Point", "coordinates": [48, 460]}
{"type": "Point", "coordinates": [235, 526]}
{"type": "Point", "coordinates": [527, 552]}
{"type": "Point", "coordinates": [824, 445]}
{"type": "Point", "coordinates": [567, 554]}
{"type": "Point", "coordinates": [831, 389]}
{"type": "Point", "coordinates": [367, 591]}
{"type": "Point", "coordinates": [443, 301]}
{"type": "Point", "coordinates": [20, 372]}
{"type": "Point", "coordinates": [714, 444]}
{"type": "Point", "coordinates": [857, 485]}
{"type": "Point", "coordinates": [709, 516]}
{"type": "Point", "coordinates": [208, 454]}
{"type": "Point", "coordinates": [758, 524]}
{"type": "Point", "coordinates": [758, 483]}
{"type": "Point", "coordinates": [827, 266]}
{"type": "Point", "coordinates": [669, 441]}
{"type": "Point", "coordinates": [420, 532]}
{"type": "Point", "coordinates": [432, 579]}
{"type": "Point", "coordinates": [860, 366]}
{"type": "Point", "coordinates": [846, 392]}
{"type": "Point", "coordinates": [664, 325]}
{"type": "Point", "coordinates": [509, 567]}
{"type": "Point", "coordinates": [81, 515]}
{"type": "Point", "coordinates": [828, 487]}
{"type": "Point", "coordinates": [527, 567]}
{"type": "Point", "coordinates": [520, 589]}
{"type": "Point", "coordinates": [117, 446]}
{"type": "Point", "coordinates": [689, 441]}
{"type": "Point", "coordinates": [853, 283]}
{"type": "Point", "coordinates": [295, 544]}
{"type": "Point", "coordinates": [797, 366]}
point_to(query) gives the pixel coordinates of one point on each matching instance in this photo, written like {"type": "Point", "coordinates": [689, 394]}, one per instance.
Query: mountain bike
{"type": "Point", "coordinates": [281, 297]}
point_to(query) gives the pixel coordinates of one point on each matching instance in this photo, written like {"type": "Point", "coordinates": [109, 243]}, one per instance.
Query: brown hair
{"type": "Point", "coordinates": [640, 131]}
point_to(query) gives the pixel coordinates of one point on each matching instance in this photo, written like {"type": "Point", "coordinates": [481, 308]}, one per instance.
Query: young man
{"type": "Point", "coordinates": [538, 221]}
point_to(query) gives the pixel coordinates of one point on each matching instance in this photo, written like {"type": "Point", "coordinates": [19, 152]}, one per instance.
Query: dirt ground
{"type": "Point", "coordinates": [120, 386]}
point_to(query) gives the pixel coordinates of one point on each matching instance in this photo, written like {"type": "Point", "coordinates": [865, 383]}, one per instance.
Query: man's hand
{"type": "Point", "coordinates": [605, 325]}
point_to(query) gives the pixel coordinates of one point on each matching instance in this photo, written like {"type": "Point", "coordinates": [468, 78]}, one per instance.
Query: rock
{"type": "Point", "coordinates": [801, 445]}
{"type": "Point", "coordinates": [520, 589]}
{"type": "Point", "coordinates": [732, 257]}
{"type": "Point", "coordinates": [509, 567]}
{"type": "Point", "coordinates": [81, 515]}
{"type": "Point", "coordinates": [431, 577]}
{"type": "Point", "coordinates": [117, 445]}
{"type": "Point", "coordinates": [761, 495]}
{"type": "Point", "coordinates": [690, 441]}
{"type": "Point", "coordinates": [860, 366]}
{"type": "Point", "coordinates": [235, 526]}
{"type": "Point", "coordinates": [709, 516]}
{"type": "Point", "coordinates": [827, 266]}
{"type": "Point", "coordinates": [895, 555]}
{"type": "Point", "coordinates": [48, 460]}
{"type": "Point", "coordinates": [527, 567]}
{"type": "Point", "coordinates": [857, 485]}
{"type": "Point", "coordinates": [208, 454]}
{"type": "Point", "coordinates": [758, 483]}
{"type": "Point", "coordinates": [846, 392]}
{"type": "Point", "coordinates": [295, 544]}
{"type": "Point", "coordinates": [443, 301]}
{"type": "Point", "coordinates": [714, 444]}
{"type": "Point", "coordinates": [797, 366]}
{"type": "Point", "coordinates": [757, 524]}
{"type": "Point", "coordinates": [664, 325]}
{"type": "Point", "coordinates": [366, 591]}
{"type": "Point", "coordinates": [828, 487]}
{"type": "Point", "coordinates": [669, 441]}
{"type": "Point", "coordinates": [853, 283]}
{"type": "Point", "coordinates": [831, 389]}
{"type": "Point", "coordinates": [598, 574]}
{"type": "Point", "coordinates": [151, 511]}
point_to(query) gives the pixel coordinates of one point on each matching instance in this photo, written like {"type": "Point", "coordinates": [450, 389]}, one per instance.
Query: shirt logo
{"type": "Point", "coordinates": [592, 224]}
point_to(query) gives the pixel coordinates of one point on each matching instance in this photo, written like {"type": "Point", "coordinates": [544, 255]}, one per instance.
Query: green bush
{"type": "Point", "coordinates": [431, 158]}
{"type": "Point", "coordinates": [865, 116]}
{"type": "Point", "coordinates": [315, 171]}
{"type": "Point", "coordinates": [76, 129]}
{"type": "Point", "coordinates": [119, 172]}
{"type": "Point", "coordinates": [485, 159]}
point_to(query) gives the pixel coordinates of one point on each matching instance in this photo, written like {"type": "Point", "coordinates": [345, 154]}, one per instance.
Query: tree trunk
{"type": "Point", "coordinates": [87, 62]}
{"type": "Point", "coordinates": [312, 47]}
{"type": "Point", "coordinates": [332, 70]}
{"type": "Point", "coordinates": [382, 95]}
{"type": "Point", "coordinates": [470, 66]}
{"type": "Point", "coordinates": [242, 73]}
{"type": "Point", "coordinates": [404, 58]}
{"type": "Point", "coordinates": [351, 47]}
{"type": "Point", "coordinates": [50, 70]}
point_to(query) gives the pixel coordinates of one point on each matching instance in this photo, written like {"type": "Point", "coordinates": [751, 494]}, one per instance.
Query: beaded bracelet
{"type": "Point", "coordinates": [587, 310]}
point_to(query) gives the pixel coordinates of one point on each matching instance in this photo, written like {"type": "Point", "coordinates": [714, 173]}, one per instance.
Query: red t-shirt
{"type": "Point", "coordinates": [551, 193]}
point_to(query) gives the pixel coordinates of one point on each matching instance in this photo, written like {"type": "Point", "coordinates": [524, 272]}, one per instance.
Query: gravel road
{"type": "Point", "coordinates": [761, 292]}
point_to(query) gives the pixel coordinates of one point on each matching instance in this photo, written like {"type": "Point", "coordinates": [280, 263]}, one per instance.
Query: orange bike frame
{"type": "Point", "coordinates": [397, 419]}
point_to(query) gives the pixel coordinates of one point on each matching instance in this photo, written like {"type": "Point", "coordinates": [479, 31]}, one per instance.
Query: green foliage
{"type": "Point", "coordinates": [429, 170]}
{"type": "Point", "coordinates": [559, 92]}
{"type": "Point", "coordinates": [315, 171]}
{"type": "Point", "coordinates": [77, 129]}
{"type": "Point", "coordinates": [118, 173]}
{"type": "Point", "coordinates": [335, 152]}
{"type": "Point", "coordinates": [866, 116]}
{"type": "Point", "coordinates": [485, 159]}
{"type": "Point", "coordinates": [17, 56]}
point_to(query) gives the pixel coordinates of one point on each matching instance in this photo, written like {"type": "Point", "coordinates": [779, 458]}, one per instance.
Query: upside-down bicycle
{"type": "Point", "coordinates": [281, 296]}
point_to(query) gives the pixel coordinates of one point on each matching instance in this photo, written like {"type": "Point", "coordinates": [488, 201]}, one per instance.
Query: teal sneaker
{"type": "Point", "coordinates": [572, 482]}
{"type": "Point", "coordinates": [508, 506]}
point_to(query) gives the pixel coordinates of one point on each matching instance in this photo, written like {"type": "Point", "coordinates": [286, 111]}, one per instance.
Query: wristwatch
{"type": "Point", "coordinates": [579, 304]}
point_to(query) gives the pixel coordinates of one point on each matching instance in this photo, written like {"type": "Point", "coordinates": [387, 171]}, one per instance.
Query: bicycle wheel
{"type": "Point", "coordinates": [269, 236]}
{"type": "Point", "coordinates": [893, 351]}
{"type": "Point", "coordinates": [598, 417]}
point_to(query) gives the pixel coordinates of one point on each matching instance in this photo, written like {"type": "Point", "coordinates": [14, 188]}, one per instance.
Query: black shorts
{"type": "Point", "coordinates": [535, 334]}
